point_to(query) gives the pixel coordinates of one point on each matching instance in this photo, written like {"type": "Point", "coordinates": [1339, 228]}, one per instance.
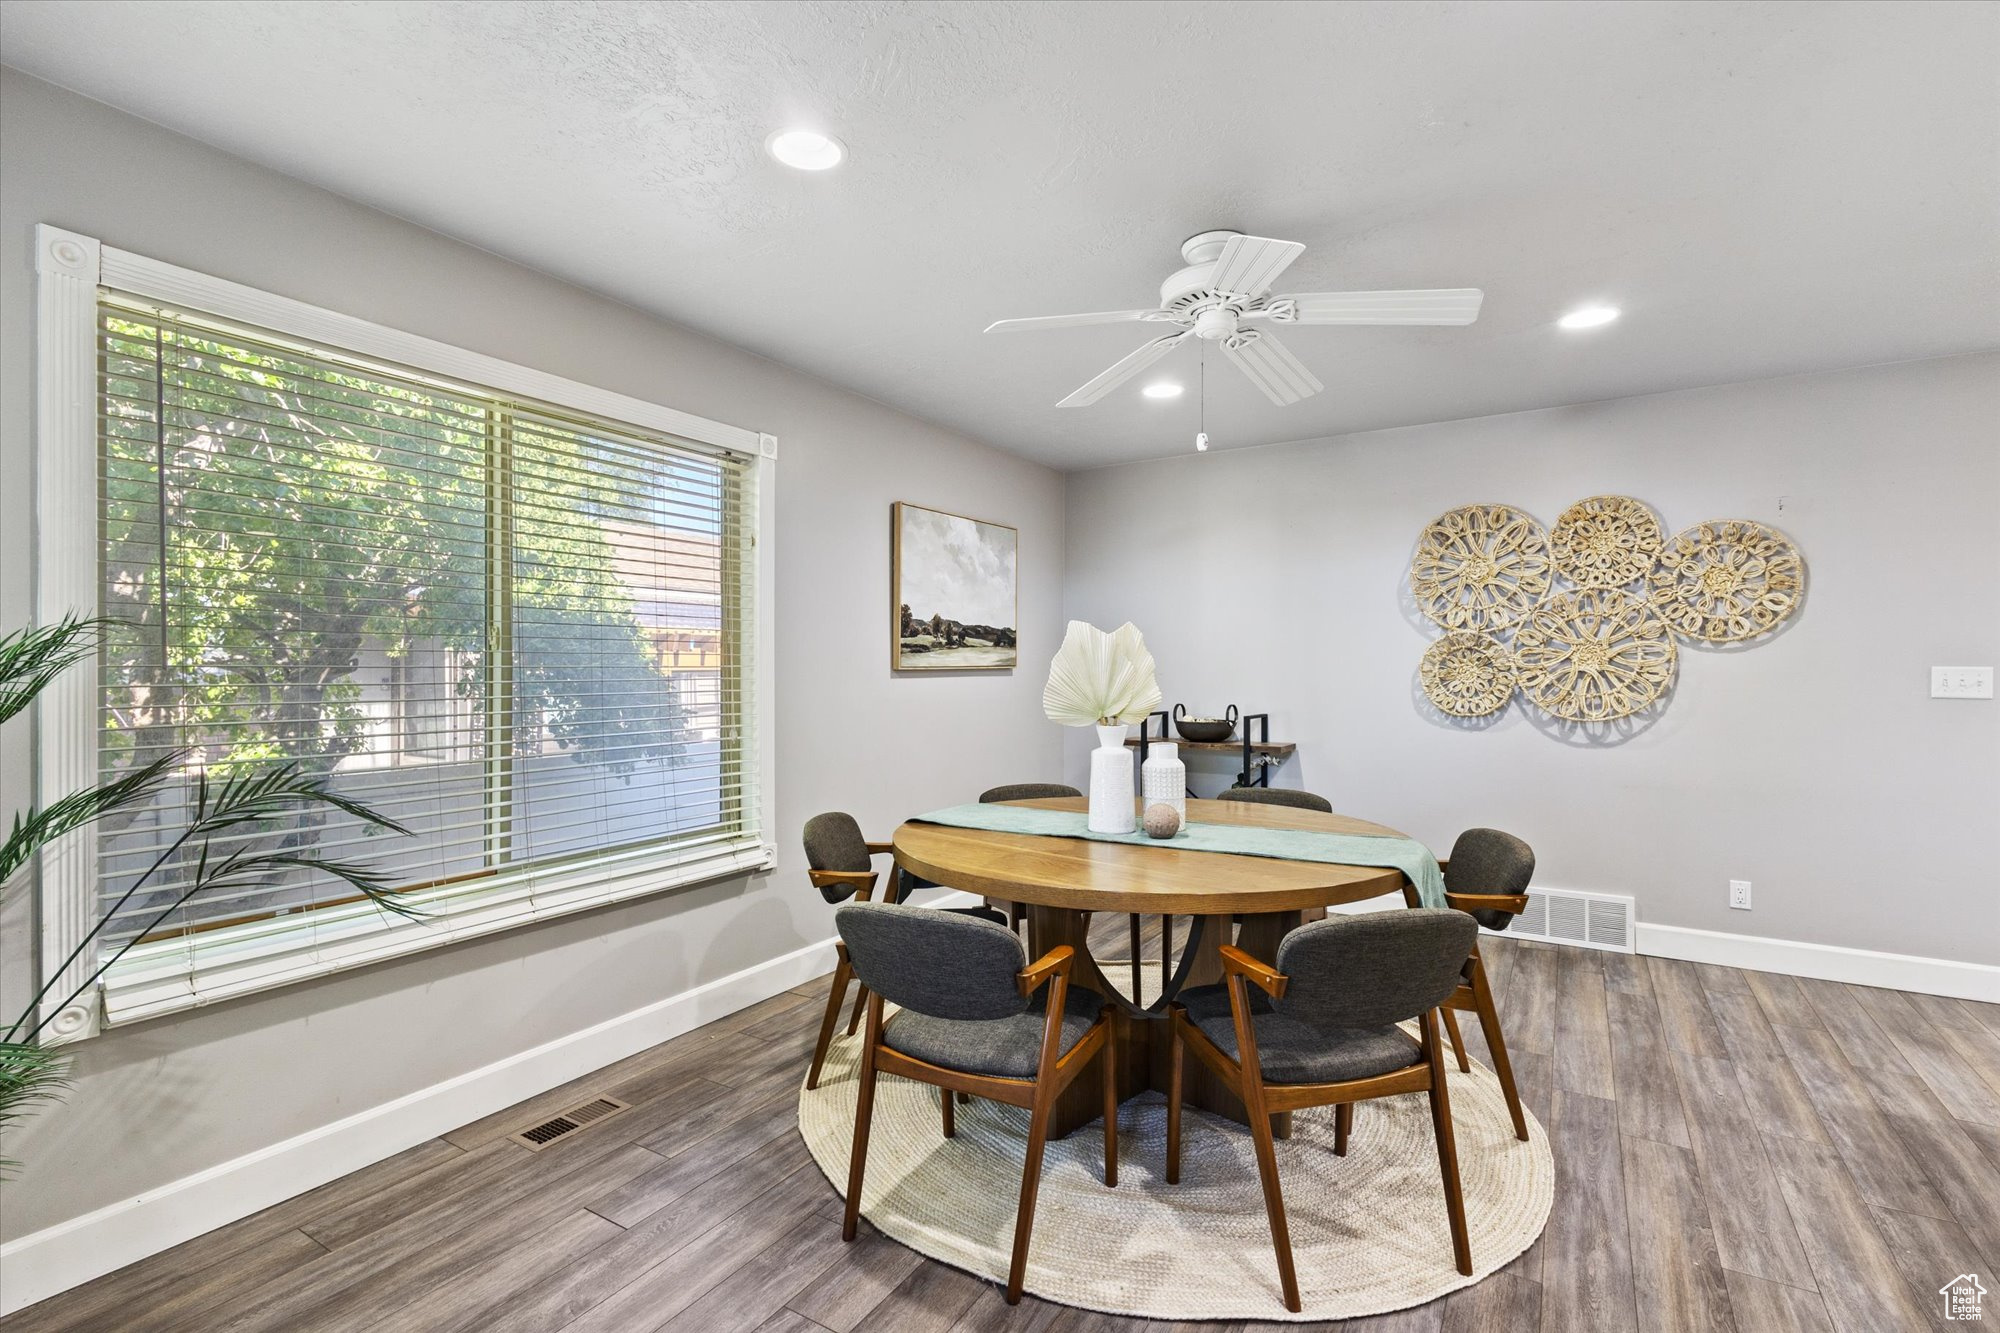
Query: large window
{"type": "Point", "coordinates": [525, 631]}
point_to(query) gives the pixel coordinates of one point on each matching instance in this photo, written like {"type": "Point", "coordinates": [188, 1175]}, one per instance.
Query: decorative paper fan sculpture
{"type": "Point", "coordinates": [1100, 679]}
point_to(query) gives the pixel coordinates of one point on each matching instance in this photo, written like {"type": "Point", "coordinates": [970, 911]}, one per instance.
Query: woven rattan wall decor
{"type": "Point", "coordinates": [1604, 647]}
{"type": "Point", "coordinates": [1607, 541]}
{"type": "Point", "coordinates": [1468, 674]}
{"type": "Point", "coordinates": [1594, 655]}
{"type": "Point", "coordinates": [1728, 581]}
{"type": "Point", "coordinates": [1480, 567]}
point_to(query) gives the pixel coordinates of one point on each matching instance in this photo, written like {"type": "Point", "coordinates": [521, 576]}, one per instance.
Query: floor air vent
{"type": "Point", "coordinates": [537, 1137]}
{"type": "Point", "coordinates": [1564, 916]}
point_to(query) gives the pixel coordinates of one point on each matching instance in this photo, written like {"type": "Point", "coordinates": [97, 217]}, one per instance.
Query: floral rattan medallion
{"type": "Point", "coordinates": [1728, 580]}
{"type": "Point", "coordinates": [1594, 655]}
{"type": "Point", "coordinates": [1607, 541]}
{"type": "Point", "coordinates": [1468, 674]}
{"type": "Point", "coordinates": [1480, 567]}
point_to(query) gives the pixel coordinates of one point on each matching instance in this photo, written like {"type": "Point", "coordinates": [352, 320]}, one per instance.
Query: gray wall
{"type": "Point", "coordinates": [1812, 764]}
{"type": "Point", "coordinates": [162, 1099]}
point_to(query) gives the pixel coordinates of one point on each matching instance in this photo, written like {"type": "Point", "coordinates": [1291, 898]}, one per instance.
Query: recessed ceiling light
{"type": "Point", "coordinates": [1163, 389]}
{"type": "Point", "coordinates": [1588, 317]}
{"type": "Point", "coordinates": [808, 150]}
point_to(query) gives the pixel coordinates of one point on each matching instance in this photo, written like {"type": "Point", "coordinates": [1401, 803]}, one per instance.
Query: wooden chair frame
{"type": "Point", "coordinates": [1263, 1100]}
{"type": "Point", "coordinates": [1475, 994]}
{"type": "Point", "coordinates": [863, 884]}
{"type": "Point", "coordinates": [1055, 1070]}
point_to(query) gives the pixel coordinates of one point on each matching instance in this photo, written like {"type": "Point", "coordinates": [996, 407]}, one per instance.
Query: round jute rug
{"type": "Point", "coordinates": [1368, 1230]}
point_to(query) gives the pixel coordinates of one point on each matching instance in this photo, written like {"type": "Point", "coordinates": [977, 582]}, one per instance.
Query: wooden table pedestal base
{"type": "Point", "coordinates": [1143, 1039]}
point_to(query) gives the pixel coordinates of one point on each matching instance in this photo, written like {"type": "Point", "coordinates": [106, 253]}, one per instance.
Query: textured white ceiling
{"type": "Point", "coordinates": [1766, 188]}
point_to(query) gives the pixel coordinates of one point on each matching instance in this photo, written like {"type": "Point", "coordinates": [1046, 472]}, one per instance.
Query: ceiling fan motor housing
{"type": "Point", "coordinates": [1205, 247]}
{"type": "Point", "coordinates": [1191, 292]}
{"type": "Point", "coordinates": [1215, 323]}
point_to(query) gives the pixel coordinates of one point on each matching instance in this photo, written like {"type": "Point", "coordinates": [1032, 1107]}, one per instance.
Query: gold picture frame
{"type": "Point", "coordinates": [938, 557]}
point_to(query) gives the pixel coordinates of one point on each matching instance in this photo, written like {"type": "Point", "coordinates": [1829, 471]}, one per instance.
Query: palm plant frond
{"type": "Point", "coordinates": [31, 658]}
{"type": "Point", "coordinates": [245, 797]}
{"type": "Point", "coordinates": [245, 868]}
{"type": "Point", "coordinates": [37, 828]}
{"type": "Point", "coordinates": [29, 1075]}
{"type": "Point", "coordinates": [261, 804]}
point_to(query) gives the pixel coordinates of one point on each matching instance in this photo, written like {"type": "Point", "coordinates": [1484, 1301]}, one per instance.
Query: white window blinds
{"type": "Point", "coordinates": [523, 633]}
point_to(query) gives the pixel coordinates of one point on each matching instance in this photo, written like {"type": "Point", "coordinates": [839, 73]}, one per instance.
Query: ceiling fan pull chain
{"type": "Point", "coordinates": [1201, 404]}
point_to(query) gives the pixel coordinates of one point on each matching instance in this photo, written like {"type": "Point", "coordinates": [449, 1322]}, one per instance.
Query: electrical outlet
{"type": "Point", "coordinates": [1739, 894]}
{"type": "Point", "coordinates": [1961, 682]}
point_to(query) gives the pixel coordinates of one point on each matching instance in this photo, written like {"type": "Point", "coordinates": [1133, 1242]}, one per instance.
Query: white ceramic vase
{"type": "Point", "coordinates": [1163, 778]}
{"type": "Point", "coordinates": [1111, 783]}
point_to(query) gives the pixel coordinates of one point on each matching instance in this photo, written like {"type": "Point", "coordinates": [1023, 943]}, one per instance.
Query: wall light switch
{"type": "Point", "coordinates": [1961, 682]}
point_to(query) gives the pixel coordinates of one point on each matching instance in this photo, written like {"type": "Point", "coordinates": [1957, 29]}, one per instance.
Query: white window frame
{"type": "Point", "coordinates": [162, 978]}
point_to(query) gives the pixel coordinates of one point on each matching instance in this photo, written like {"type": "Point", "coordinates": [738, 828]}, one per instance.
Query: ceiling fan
{"type": "Point", "coordinates": [1223, 290]}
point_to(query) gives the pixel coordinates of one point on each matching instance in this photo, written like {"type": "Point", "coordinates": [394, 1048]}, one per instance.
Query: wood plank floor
{"type": "Point", "coordinates": [1735, 1151]}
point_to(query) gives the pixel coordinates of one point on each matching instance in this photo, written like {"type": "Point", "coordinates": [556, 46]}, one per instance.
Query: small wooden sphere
{"type": "Point", "coordinates": [1161, 820]}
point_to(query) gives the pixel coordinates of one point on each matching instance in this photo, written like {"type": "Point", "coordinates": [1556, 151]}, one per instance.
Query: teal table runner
{"type": "Point", "coordinates": [1352, 849]}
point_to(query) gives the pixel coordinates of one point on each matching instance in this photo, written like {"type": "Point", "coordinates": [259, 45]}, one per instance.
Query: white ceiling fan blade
{"type": "Point", "coordinates": [1248, 265]}
{"type": "Point", "coordinates": [1445, 305]}
{"type": "Point", "coordinates": [1272, 367]}
{"type": "Point", "coordinates": [1069, 321]}
{"type": "Point", "coordinates": [1124, 370]}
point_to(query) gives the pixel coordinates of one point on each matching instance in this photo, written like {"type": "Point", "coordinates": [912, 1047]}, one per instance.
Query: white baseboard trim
{"type": "Point", "coordinates": [1827, 962]}
{"type": "Point", "coordinates": [1796, 958]}
{"type": "Point", "coordinates": [42, 1263]}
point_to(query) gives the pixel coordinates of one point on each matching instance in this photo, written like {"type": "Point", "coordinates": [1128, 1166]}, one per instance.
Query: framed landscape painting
{"type": "Point", "coordinates": [953, 592]}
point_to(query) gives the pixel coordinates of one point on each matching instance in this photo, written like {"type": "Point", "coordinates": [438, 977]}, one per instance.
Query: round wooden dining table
{"type": "Point", "coordinates": [1062, 882]}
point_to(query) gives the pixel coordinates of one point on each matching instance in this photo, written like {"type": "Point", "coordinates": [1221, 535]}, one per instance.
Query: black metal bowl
{"type": "Point", "coordinates": [1204, 728]}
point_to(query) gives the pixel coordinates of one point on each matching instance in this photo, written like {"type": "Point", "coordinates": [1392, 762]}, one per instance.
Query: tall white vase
{"type": "Point", "coordinates": [1111, 783]}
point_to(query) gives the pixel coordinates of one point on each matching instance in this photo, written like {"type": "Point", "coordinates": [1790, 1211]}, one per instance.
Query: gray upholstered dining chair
{"type": "Point", "coordinates": [973, 1017]}
{"type": "Point", "coordinates": [1042, 791]}
{"type": "Point", "coordinates": [1321, 1028]}
{"type": "Point", "coordinates": [1487, 876]}
{"type": "Point", "coordinates": [1299, 800]}
{"type": "Point", "coordinates": [841, 864]}
{"type": "Point", "coordinates": [1027, 791]}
